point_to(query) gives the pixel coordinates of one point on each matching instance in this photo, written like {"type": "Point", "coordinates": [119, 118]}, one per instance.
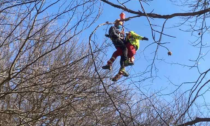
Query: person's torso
{"type": "Point", "coordinates": [133, 41]}
{"type": "Point", "coordinates": [112, 32]}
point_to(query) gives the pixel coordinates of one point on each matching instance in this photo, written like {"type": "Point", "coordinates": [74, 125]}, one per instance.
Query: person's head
{"type": "Point", "coordinates": [130, 33]}
{"type": "Point", "coordinates": [127, 33]}
{"type": "Point", "coordinates": [118, 24]}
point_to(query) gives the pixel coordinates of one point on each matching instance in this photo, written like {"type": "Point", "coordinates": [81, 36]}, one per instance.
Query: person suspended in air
{"type": "Point", "coordinates": [132, 44]}
{"type": "Point", "coordinates": [118, 40]}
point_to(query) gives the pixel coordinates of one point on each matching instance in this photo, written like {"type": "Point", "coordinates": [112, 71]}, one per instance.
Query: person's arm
{"type": "Point", "coordinates": [145, 38]}
{"type": "Point", "coordinates": [139, 37]}
{"type": "Point", "coordinates": [115, 32]}
{"type": "Point", "coordinates": [136, 36]}
{"type": "Point", "coordinates": [107, 35]}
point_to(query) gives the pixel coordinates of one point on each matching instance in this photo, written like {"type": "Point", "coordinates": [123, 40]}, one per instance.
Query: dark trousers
{"type": "Point", "coordinates": [118, 43]}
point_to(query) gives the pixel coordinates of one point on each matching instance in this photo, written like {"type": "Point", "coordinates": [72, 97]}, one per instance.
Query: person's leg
{"type": "Point", "coordinates": [131, 50]}
{"type": "Point", "coordinates": [116, 77]}
{"type": "Point", "coordinates": [131, 53]}
{"type": "Point", "coordinates": [124, 55]}
{"type": "Point", "coordinates": [121, 44]}
{"type": "Point", "coordinates": [121, 72]}
{"type": "Point", "coordinates": [117, 53]}
{"type": "Point", "coordinates": [122, 68]}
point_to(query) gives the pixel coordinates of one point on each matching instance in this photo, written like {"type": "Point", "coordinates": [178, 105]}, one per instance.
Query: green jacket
{"type": "Point", "coordinates": [134, 39]}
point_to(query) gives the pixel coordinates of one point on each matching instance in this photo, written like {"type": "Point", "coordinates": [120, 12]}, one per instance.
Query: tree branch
{"type": "Point", "coordinates": [154, 15]}
{"type": "Point", "coordinates": [196, 120]}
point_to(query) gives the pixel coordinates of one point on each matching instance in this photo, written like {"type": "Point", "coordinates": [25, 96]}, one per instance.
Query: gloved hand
{"type": "Point", "coordinates": [121, 38]}
{"type": "Point", "coordinates": [107, 35]}
{"type": "Point", "coordinates": [145, 38]}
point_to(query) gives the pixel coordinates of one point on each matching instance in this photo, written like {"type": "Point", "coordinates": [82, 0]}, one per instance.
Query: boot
{"type": "Point", "coordinates": [107, 67]}
{"type": "Point", "coordinates": [117, 77]}
{"type": "Point", "coordinates": [128, 62]}
{"type": "Point", "coordinates": [123, 72]}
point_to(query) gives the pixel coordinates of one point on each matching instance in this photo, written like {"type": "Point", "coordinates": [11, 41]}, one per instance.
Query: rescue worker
{"type": "Point", "coordinates": [132, 44]}
{"type": "Point", "coordinates": [118, 40]}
